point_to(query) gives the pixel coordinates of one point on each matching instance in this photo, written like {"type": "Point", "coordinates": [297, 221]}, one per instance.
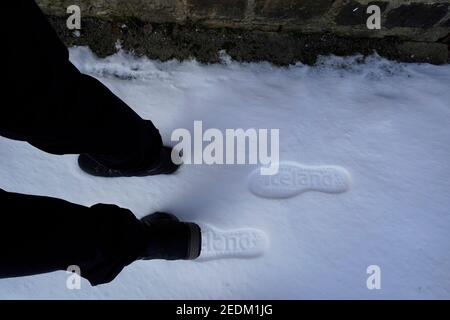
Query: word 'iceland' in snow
{"type": "Point", "coordinates": [231, 151]}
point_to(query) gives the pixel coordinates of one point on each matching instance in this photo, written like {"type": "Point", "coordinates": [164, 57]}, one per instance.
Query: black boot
{"type": "Point", "coordinates": [97, 167]}
{"type": "Point", "coordinates": [171, 239]}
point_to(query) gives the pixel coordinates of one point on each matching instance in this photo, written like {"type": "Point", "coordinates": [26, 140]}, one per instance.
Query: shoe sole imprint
{"type": "Point", "coordinates": [238, 243]}
{"type": "Point", "coordinates": [293, 178]}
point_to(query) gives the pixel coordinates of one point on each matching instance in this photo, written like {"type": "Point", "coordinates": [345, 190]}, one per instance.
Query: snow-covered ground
{"type": "Point", "coordinates": [386, 124]}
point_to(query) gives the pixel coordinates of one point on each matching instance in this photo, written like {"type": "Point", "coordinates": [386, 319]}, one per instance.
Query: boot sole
{"type": "Point", "coordinates": [195, 241]}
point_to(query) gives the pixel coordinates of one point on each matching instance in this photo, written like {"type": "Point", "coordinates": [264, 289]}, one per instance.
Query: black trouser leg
{"type": "Point", "coordinates": [47, 102]}
{"type": "Point", "coordinates": [41, 234]}
{"type": "Point", "coordinates": [50, 104]}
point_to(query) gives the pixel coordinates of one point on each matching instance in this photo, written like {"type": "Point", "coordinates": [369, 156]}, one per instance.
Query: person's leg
{"type": "Point", "coordinates": [51, 105]}
{"type": "Point", "coordinates": [48, 103]}
{"type": "Point", "coordinates": [42, 234]}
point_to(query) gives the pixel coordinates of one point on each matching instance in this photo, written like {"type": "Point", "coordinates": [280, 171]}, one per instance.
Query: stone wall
{"type": "Point", "coordinates": [280, 31]}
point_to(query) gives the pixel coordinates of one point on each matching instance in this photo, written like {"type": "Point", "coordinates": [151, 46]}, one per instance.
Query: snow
{"type": "Point", "coordinates": [387, 124]}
